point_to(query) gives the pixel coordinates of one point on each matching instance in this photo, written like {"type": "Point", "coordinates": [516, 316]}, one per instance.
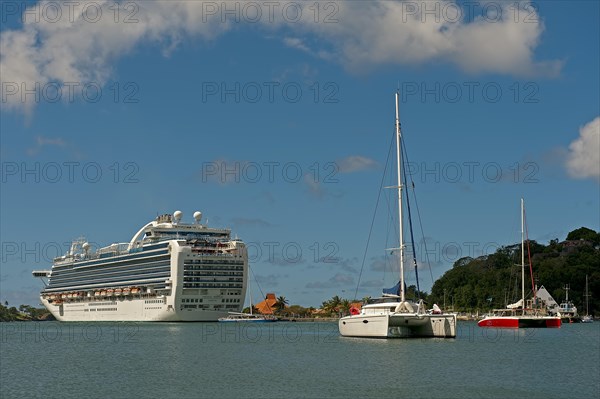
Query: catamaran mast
{"type": "Point", "coordinates": [522, 258]}
{"type": "Point", "coordinates": [399, 157]}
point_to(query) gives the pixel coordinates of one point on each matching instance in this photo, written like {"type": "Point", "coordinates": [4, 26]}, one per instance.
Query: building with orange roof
{"type": "Point", "coordinates": [268, 305]}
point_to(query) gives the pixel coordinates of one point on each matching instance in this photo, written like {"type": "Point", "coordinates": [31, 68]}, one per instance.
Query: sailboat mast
{"type": "Point", "coordinates": [250, 294]}
{"type": "Point", "coordinates": [587, 295]}
{"type": "Point", "coordinates": [522, 258]}
{"type": "Point", "coordinates": [401, 230]}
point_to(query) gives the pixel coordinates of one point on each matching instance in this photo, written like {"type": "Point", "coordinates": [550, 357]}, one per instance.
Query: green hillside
{"type": "Point", "coordinates": [492, 281]}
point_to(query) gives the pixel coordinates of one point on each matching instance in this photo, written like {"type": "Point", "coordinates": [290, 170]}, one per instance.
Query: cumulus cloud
{"type": "Point", "coordinates": [583, 160]}
{"type": "Point", "coordinates": [474, 39]}
{"type": "Point", "coordinates": [84, 44]}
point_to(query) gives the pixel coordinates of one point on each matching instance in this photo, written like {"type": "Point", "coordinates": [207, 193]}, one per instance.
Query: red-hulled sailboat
{"type": "Point", "coordinates": [518, 315]}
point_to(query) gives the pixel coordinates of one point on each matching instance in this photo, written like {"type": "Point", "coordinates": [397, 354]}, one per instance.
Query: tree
{"type": "Point", "coordinates": [471, 283]}
{"type": "Point", "coordinates": [583, 233]}
{"type": "Point", "coordinates": [28, 313]}
{"type": "Point", "coordinates": [344, 307]}
{"type": "Point", "coordinates": [281, 304]}
{"type": "Point", "coordinates": [333, 305]}
{"type": "Point", "coordinates": [254, 310]}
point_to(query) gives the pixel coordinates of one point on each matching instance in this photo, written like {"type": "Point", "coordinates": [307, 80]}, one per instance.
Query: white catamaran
{"type": "Point", "coordinates": [392, 315]}
{"type": "Point", "coordinates": [169, 271]}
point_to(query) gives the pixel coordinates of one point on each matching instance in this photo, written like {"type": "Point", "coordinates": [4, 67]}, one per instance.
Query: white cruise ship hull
{"type": "Point", "coordinates": [129, 310]}
{"type": "Point", "coordinates": [399, 325]}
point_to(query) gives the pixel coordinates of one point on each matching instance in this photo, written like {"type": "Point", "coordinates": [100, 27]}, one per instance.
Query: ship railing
{"type": "Point", "coordinates": [212, 253]}
{"type": "Point", "coordinates": [113, 249]}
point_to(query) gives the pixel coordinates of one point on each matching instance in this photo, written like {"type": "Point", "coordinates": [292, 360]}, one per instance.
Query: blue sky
{"type": "Point", "coordinates": [276, 122]}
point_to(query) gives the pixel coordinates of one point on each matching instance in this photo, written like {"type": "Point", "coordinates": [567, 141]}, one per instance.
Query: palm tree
{"type": "Point", "coordinates": [344, 307]}
{"type": "Point", "coordinates": [281, 303]}
{"type": "Point", "coordinates": [333, 305]}
{"type": "Point", "coordinates": [309, 311]}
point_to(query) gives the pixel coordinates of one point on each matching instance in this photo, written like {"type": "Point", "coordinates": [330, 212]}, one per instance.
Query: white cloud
{"type": "Point", "coordinates": [358, 35]}
{"type": "Point", "coordinates": [42, 143]}
{"type": "Point", "coordinates": [81, 48]}
{"type": "Point", "coordinates": [355, 163]}
{"type": "Point", "coordinates": [321, 188]}
{"type": "Point", "coordinates": [373, 33]}
{"type": "Point", "coordinates": [296, 43]}
{"type": "Point", "coordinates": [313, 186]}
{"type": "Point", "coordinates": [583, 160]}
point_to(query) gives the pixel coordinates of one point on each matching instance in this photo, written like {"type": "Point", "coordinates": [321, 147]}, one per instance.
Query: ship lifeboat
{"type": "Point", "coordinates": [97, 293]}
{"type": "Point", "coordinates": [63, 296]}
{"type": "Point", "coordinates": [102, 293]}
{"type": "Point", "coordinates": [118, 291]}
{"type": "Point", "coordinates": [126, 291]}
{"type": "Point", "coordinates": [52, 296]}
{"type": "Point", "coordinates": [135, 290]}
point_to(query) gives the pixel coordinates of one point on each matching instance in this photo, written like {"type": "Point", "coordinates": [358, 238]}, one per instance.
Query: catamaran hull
{"type": "Point", "coordinates": [138, 309]}
{"type": "Point", "coordinates": [520, 322]}
{"type": "Point", "coordinates": [399, 326]}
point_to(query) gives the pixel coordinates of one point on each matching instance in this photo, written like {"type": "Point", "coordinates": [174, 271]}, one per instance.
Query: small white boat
{"type": "Point", "coordinates": [587, 318]}
{"type": "Point", "coordinates": [247, 317]}
{"type": "Point", "coordinates": [235, 317]}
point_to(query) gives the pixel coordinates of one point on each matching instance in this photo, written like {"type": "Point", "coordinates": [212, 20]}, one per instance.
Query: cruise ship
{"type": "Point", "coordinates": [169, 271]}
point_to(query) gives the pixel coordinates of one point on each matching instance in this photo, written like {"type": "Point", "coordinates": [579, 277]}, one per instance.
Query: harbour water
{"type": "Point", "coordinates": [287, 360]}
